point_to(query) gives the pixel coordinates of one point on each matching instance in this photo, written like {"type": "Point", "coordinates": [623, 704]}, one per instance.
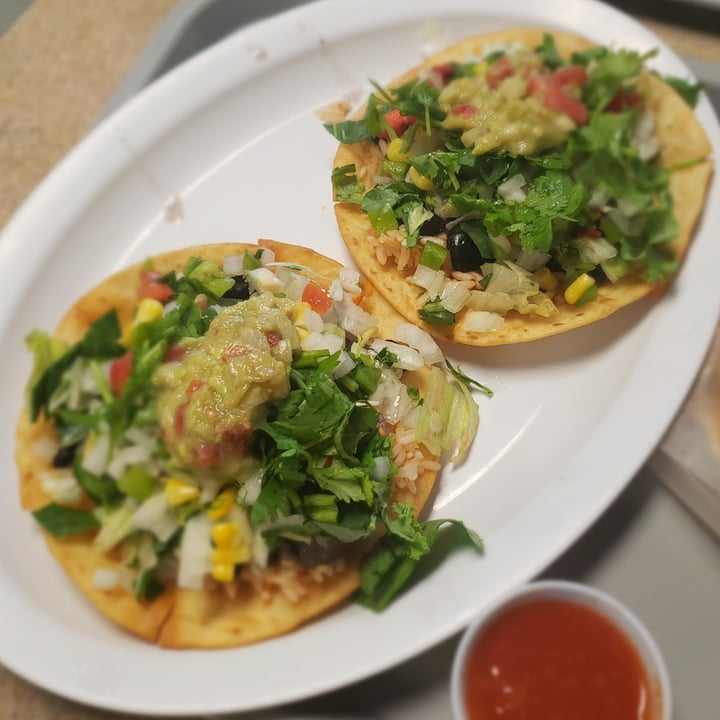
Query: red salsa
{"type": "Point", "coordinates": [555, 660]}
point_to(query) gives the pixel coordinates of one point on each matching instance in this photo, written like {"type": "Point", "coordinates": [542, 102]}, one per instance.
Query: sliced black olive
{"type": "Point", "coordinates": [434, 226]}
{"type": "Point", "coordinates": [240, 290]}
{"type": "Point", "coordinates": [65, 455]}
{"type": "Point", "coordinates": [464, 253]}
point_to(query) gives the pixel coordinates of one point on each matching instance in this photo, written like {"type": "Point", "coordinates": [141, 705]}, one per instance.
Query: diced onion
{"type": "Point", "coordinates": [454, 296]}
{"type": "Point", "coordinates": [344, 366]}
{"type": "Point", "coordinates": [431, 280]}
{"type": "Point", "coordinates": [323, 341]}
{"type": "Point", "coordinates": [267, 256]}
{"type": "Point", "coordinates": [264, 279]}
{"type": "Point", "coordinates": [95, 459]}
{"type": "Point", "coordinates": [105, 579]}
{"type": "Point", "coordinates": [61, 486]}
{"type": "Point", "coordinates": [419, 339]}
{"type": "Point", "coordinates": [512, 189]}
{"type": "Point", "coordinates": [408, 358]}
{"type": "Point", "coordinates": [234, 265]}
{"type": "Point", "coordinates": [352, 318]}
{"type": "Point", "coordinates": [350, 279]}
{"type": "Point", "coordinates": [156, 516]}
{"type": "Point", "coordinates": [483, 321]}
{"type": "Point", "coordinates": [194, 555]}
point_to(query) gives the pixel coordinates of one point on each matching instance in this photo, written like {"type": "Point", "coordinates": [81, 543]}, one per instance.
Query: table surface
{"type": "Point", "coordinates": [647, 550]}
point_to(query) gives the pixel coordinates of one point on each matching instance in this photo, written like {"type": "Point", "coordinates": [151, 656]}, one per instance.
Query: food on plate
{"type": "Point", "coordinates": [219, 445]}
{"type": "Point", "coordinates": [520, 184]}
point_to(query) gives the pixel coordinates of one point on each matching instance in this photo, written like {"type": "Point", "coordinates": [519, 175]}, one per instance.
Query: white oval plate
{"type": "Point", "coordinates": [228, 148]}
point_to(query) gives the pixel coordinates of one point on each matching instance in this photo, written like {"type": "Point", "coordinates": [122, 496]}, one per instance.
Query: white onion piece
{"type": "Point", "coordinates": [249, 491]}
{"type": "Point", "coordinates": [454, 296]}
{"type": "Point", "coordinates": [352, 318]}
{"type": "Point", "coordinates": [96, 459]}
{"type": "Point", "coordinates": [267, 256]}
{"type": "Point", "coordinates": [323, 341]}
{"type": "Point", "coordinates": [61, 486]}
{"type": "Point", "coordinates": [336, 290]}
{"type": "Point", "coordinates": [263, 279]}
{"type": "Point", "coordinates": [419, 339]}
{"type": "Point", "coordinates": [512, 189]}
{"type": "Point", "coordinates": [483, 321]}
{"type": "Point", "coordinates": [234, 265]}
{"type": "Point", "coordinates": [156, 516]}
{"type": "Point", "coordinates": [408, 358]}
{"type": "Point", "coordinates": [344, 366]}
{"type": "Point", "coordinates": [105, 579]}
{"type": "Point", "coordinates": [429, 279]}
{"type": "Point", "coordinates": [194, 555]}
{"type": "Point", "coordinates": [350, 280]}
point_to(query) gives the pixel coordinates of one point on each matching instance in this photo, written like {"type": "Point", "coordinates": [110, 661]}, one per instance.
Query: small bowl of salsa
{"type": "Point", "coordinates": [559, 650]}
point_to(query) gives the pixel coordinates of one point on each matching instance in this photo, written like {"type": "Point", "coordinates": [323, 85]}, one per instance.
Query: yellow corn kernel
{"type": "Point", "coordinates": [230, 556]}
{"type": "Point", "coordinates": [578, 287]}
{"type": "Point", "coordinates": [224, 534]}
{"type": "Point", "coordinates": [546, 279]}
{"type": "Point", "coordinates": [179, 491]}
{"type": "Point", "coordinates": [222, 504]}
{"type": "Point", "coordinates": [480, 68]}
{"type": "Point", "coordinates": [223, 572]}
{"type": "Point", "coordinates": [298, 313]}
{"type": "Point", "coordinates": [148, 310]}
{"type": "Point", "coordinates": [395, 153]}
{"type": "Point", "coordinates": [419, 180]}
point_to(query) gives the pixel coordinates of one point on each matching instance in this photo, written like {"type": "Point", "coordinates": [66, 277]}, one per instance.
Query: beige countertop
{"type": "Point", "coordinates": [60, 62]}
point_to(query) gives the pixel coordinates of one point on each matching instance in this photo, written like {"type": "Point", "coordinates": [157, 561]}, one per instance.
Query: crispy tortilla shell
{"type": "Point", "coordinates": [682, 141]}
{"type": "Point", "coordinates": [182, 618]}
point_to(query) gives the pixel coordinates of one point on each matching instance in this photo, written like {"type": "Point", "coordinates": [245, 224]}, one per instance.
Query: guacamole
{"type": "Point", "coordinates": [502, 118]}
{"type": "Point", "coordinates": [209, 401]}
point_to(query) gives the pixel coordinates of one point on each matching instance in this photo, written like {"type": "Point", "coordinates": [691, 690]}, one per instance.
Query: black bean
{"type": "Point", "coordinates": [65, 455]}
{"type": "Point", "coordinates": [464, 253]}
{"type": "Point", "coordinates": [240, 290]}
{"type": "Point", "coordinates": [434, 226]}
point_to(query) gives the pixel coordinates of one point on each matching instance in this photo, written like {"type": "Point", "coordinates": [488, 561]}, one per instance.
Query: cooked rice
{"type": "Point", "coordinates": [288, 576]}
{"type": "Point", "coordinates": [410, 460]}
{"type": "Point", "coordinates": [392, 245]}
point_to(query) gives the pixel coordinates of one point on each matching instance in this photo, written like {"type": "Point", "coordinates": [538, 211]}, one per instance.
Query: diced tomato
{"type": "Point", "coordinates": [463, 110]}
{"type": "Point", "coordinates": [179, 418]}
{"type": "Point", "coordinates": [120, 370]}
{"type": "Point", "coordinates": [591, 232]}
{"type": "Point", "coordinates": [175, 353]}
{"type": "Point", "coordinates": [502, 68]}
{"type": "Point", "coordinates": [399, 122]}
{"type": "Point", "coordinates": [444, 70]}
{"type": "Point", "coordinates": [193, 387]}
{"type": "Point", "coordinates": [549, 89]}
{"type": "Point", "coordinates": [622, 101]}
{"type": "Point", "coordinates": [205, 456]}
{"type": "Point", "coordinates": [316, 298]}
{"type": "Point", "coordinates": [570, 75]}
{"type": "Point", "coordinates": [237, 438]}
{"type": "Point", "coordinates": [151, 288]}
